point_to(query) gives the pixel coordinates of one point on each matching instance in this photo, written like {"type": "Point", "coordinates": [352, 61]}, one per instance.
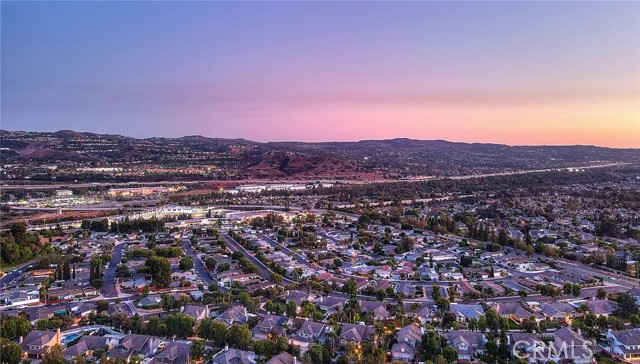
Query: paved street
{"type": "Point", "coordinates": [7, 278]}
{"type": "Point", "coordinates": [203, 272]}
{"type": "Point", "coordinates": [263, 270]}
{"type": "Point", "coordinates": [109, 287]}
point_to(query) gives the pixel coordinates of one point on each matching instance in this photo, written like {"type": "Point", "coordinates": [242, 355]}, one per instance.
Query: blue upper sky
{"type": "Point", "coordinates": [513, 72]}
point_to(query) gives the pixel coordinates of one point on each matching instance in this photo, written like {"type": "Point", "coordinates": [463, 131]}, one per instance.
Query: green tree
{"type": "Point", "coordinates": [54, 356]}
{"type": "Point", "coordinates": [450, 354]}
{"type": "Point", "coordinates": [197, 350]}
{"type": "Point", "coordinates": [12, 327]}
{"type": "Point", "coordinates": [239, 337]}
{"type": "Point", "coordinates": [160, 271]}
{"type": "Point", "coordinates": [186, 263]}
{"type": "Point", "coordinates": [180, 325]}
{"type": "Point", "coordinates": [601, 293]}
{"type": "Point", "coordinates": [10, 353]}
{"type": "Point", "coordinates": [292, 309]}
{"type": "Point", "coordinates": [213, 330]}
{"type": "Point", "coordinates": [102, 305]}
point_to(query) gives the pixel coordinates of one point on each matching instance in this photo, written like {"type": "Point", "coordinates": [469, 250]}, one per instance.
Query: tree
{"type": "Point", "coordinates": [276, 278]}
{"type": "Point", "coordinates": [213, 330]}
{"type": "Point", "coordinates": [239, 337]}
{"type": "Point", "coordinates": [180, 325]}
{"type": "Point", "coordinates": [317, 354]}
{"type": "Point", "coordinates": [374, 354]}
{"type": "Point", "coordinates": [160, 271]}
{"type": "Point", "coordinates": [627, 304]}
{"type": "Point", "coordinates": [210, 263]}
{"type": "Point", "coordinates": [186, 263]}
{"type": "Point", "coordinates": [450, 354]}
{"type": "Point", "coordinates": [292, 309]}
{"type": "Point", "coordinates": [575, 290]}
{"type": "Point", "coordinates": [78, 359]}
{"type": "Point", "coordinates": [473, 324]}
{"type": "Point", "coordinates": [95, 273]}
{"type": "Point", "coordinates": [12, 327]}
{"type": "Point", "coordinates": [102, 305]}
{"type": "Point", "coordinates": [435, 292]}
{"type": "Point", "coordinates": [443, 304]}
{"type": "Point", "coordinates": [431, 344]}
{"type": "Point", "coordinates": [601, 294]}
{"type": "Point", "coordinates": [10, 353]}
{"type": "Point", "coordinates": [54, 356]}
{"type": "Point", "coordinates": [197, 349]}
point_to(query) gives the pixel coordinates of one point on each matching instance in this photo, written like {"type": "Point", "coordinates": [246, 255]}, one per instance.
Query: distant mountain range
{"type": "Point", "coordinates": [239, 158]}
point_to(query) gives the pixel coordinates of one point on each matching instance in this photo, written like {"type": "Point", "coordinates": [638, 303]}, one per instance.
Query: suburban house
{"type": "Point", "coordinates": [465, 312]}
{"type": "Point", "coordinates": [625, 344]}
{"type": "Point", "coordinates": [468, 344]}
{"type": "Point", "coordinates": [234, 356]}
{"type": "Point", "coordinates": [309, 333]}
{"type": "Point", "coordinates": [377, 309]}
{"type": "Point", "coordinates": [271, 326]}
{"type": "Point", "coordinates": [236, 314]}
{"type": "Point", "coordinates": [513, 311]}
{"type": "Point", "coordinates": [37, 342]}
{"type": "Point", "coordinates": [135, 345]}
{"type": "Point", "coordinates": [579, 350]}
{"type": "Point", "coordinates": [199, 313]}
{"type": "Point", "coordinates": [409, 337]}
{"type": "Point", "coordinates": [173, 353]}
{"type": "Point", "coordinates": [558, 311]}
{"type": "Point", "coordinates": [356, 333]}
{"type": "Point", "coordinates": [87, 345]}
{"type": "Point", "coordinates": [283, 358]}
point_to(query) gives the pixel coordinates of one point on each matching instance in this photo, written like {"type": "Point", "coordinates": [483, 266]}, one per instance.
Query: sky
{"type": "Point", "coordinates": [505, 72]}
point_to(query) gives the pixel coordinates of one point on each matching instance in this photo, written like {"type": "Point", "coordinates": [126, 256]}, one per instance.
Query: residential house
{"type": "Point", "coordinates": [271, 326]}
{"type": "Point", "coordinates": [465, 312]}
{"type": "Point", "coordinates": [236, 314]}
{"type": "Point", "coordinates": [377, 309]}
{"type": "Point", "coordinates": [558, 311]}
{"type": "Point", "coordinates": [409, 338]}
{"type": "Point", "coordinates": [513, 311]}
{"type": "Point", "coordinates": [38, 342]}
{"type": "Point", "coordinates": [135, 345]}
{"type": "Point", "coordinates": [87, 345]}
{"type": "Point", "coordinates": [524, 344]}
{"type": "Point", "coordinates": [578, 349]}
{"type": "Point", "coordinates": [234, 356]}
{"type": "Point", "coordinates": [173, 353]}
{"type": "Point", "coordinates": [310, 332]}
{"type": "Point", "coordinates": [420, 311]}
{"type": "Point", "coordinates": [468, 344]}
{"type": "Point", "coordinates": [625, 344]}
{"type": "Point", "coordinates": [356, 333]}
{"type": "Point", "coordinates": [283, 358]}
{"type": "Point", "coordinates": [199, 313]}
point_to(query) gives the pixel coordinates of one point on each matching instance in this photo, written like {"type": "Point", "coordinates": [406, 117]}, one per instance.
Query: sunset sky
{"type": "Point", "coordinates": [506, 72]}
